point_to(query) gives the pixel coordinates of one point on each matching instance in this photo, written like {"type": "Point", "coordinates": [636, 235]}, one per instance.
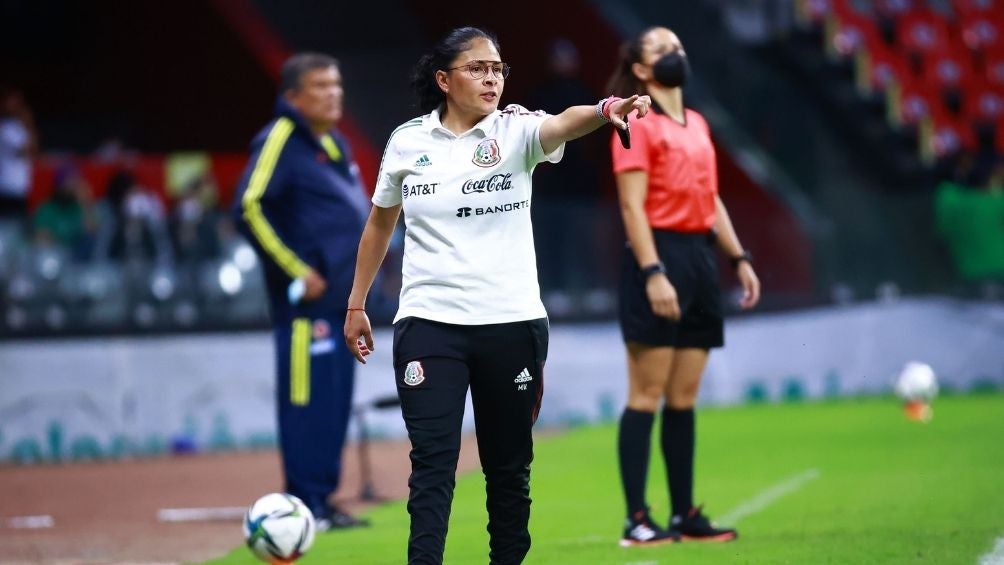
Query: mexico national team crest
{"type": "Point", "coordinates": [414, 374]}
{"type": "Point", "coordinates": [487, 153]}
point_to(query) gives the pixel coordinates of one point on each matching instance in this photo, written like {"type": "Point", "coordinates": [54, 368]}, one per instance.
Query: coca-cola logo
{"type": "Point", "coordinates": [494, 183]}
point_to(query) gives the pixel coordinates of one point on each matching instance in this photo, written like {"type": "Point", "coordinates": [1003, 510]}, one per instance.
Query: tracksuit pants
{"type": "Point", "coordinates": [314, 391]}
{"type": "Point", "coordinates": [502, 365]}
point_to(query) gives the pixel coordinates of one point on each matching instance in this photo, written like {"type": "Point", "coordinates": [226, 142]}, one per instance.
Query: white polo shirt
{"type": "Point", "coordinates": [468, 250]}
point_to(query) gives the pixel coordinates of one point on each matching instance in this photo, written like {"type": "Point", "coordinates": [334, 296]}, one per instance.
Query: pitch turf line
{"type": "Point", "coordinates": [768, 496]}
{"type": "Point", "coordinates": [41, 522]}
{"type": "Point", "coordinates": [996, 555]}
{"type": "Point", "coordinates": [200, 514]}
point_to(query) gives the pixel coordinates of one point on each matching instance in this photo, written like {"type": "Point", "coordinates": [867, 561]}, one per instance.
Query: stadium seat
{"type": "Point", "coordinates": [993, 67]}
{"type": "Point", "coordinates": [922, 33]}
{"type": "Point", "coordinates": [983, 103]}
{"type": "Point", "coordinates": [847, 31]}
{"type": "Point", "coordinates": [895, 8]}
{"type": "Point", "coordinates": [879, 66]}
{"type": "Point", "coordinates": [967, 8]}
{"type": "Point", "coordinates": [948, 68]}
{"type": "Point", "coordinates": [944, 136]}
{"type": "Point", "coordinates": [910, 102]}
{"type": "Point", "coordinates": [982, 32]}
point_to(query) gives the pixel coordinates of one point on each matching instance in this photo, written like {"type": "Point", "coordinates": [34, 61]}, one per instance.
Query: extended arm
{"type": "Point", "coordinates": [577, 121]}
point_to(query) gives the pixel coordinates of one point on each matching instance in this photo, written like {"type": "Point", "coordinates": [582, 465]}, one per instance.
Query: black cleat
{"type": "Point", "coordinates": [695, 526]}
{"type": "Point", "coordinates": [640, 531]}
{"type": "Point", "coordinates": [334, 518]}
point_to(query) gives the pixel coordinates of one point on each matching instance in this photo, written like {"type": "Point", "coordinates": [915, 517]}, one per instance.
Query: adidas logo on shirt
{"type": "Point", "coordinates": [423, 161]}
{"type": "Point", "coordinates": [523, 377]}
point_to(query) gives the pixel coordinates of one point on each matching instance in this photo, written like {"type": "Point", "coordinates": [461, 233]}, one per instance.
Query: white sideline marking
{"type": "Point", "coordinates": [30, 522]}
{"type": "Point", "coordinates": [766, 497]}
{"type": "Point", "coordinates": [200, 514]}
{"type": "Point", "coordinates": [996, 555]}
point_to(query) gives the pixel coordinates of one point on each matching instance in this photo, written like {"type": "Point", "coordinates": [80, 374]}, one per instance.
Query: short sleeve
{"type": "Point", "coordinates": [387, 192]}
{"type": "Point", "coordinates": [537, 154]}
{"type": "Point", "coordinates": [528, 123]}
{"type": "Point", "coordinates": [638, 158]}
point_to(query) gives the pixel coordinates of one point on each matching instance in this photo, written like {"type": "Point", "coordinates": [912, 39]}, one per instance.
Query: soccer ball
{"type": "Point", "coordinates": [279, 528]}
{"type": "Point", "coordinates": [917, 383]}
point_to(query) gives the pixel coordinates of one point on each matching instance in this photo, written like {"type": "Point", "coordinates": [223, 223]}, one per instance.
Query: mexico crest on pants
{"type": "Point", "coordinates": [414, 374]}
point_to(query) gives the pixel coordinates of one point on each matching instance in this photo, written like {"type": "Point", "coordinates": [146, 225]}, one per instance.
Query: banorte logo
{"type": "Point", "coordinates": [466, 212]}
{"type": "Point", "coordinates": [494, 183]}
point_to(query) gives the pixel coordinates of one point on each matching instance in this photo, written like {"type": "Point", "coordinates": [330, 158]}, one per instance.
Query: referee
{"type": "Point", "coordinates": [670, 304]}
{"type": "Point", "coordinates": [301, 205]}
{"type": "Point", "coordinates": [470, 312]}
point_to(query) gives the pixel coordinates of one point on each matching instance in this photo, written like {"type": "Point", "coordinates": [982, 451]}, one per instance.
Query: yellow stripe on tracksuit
{"type": "Point", "coordinates": [329, 145]}
{"type": "Point", "coordinates": [251, 202]}
{"type": "Point", "coordinates": [299, 363]}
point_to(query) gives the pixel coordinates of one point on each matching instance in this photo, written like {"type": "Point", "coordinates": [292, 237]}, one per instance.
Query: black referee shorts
{"type": "Point", "coordinates": [502, 365]}
{"type": "Point", "coordinates": [692, 268]}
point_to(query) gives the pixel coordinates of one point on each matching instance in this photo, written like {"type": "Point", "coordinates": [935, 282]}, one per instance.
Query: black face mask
{"type": "Point", "coordinates": [671, 69]}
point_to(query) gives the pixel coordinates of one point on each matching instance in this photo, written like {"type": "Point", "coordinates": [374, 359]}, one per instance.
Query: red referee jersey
{"type": "Point", "coordinates": [682, 174]}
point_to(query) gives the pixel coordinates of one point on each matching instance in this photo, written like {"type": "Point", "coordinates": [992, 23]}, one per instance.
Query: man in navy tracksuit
{"type": "Point", "coordinates": [302, 205]}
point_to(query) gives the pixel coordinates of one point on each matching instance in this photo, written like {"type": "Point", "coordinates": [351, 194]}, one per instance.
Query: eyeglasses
{"type": "Point", "coordinates": [479, 69]}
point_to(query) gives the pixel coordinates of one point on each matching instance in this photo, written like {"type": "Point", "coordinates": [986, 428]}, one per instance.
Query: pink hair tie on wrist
{"type": "Point", "coordinates": [606, 107]}
{"type": "Point", "coordinates": [603, 107]}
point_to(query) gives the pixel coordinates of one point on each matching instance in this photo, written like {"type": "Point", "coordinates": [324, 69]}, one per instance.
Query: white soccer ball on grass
{"type": "Point", "coordinates": [279, 528]}
{"type": "Point", "coordinates": [917, 383]}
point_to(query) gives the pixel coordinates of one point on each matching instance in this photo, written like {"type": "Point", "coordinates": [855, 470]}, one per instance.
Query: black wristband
{"type": "Point", "coordinates": [649, 270]}
{"type": "Point", "coordinates": [744, 256]}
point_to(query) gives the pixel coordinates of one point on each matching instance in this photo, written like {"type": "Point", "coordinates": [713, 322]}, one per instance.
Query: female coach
{"type": "Point", "coordinates": [470, 311]}
{"type": "Point", "coordinates": [670, 303]}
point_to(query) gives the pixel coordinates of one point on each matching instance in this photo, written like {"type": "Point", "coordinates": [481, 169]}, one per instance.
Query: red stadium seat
{"type": "Point", "coordinates": [948, 68]}
{"type": "Point", "coordinates": [947, 135]}
{"type": "Point", "coordinates": [911, 102]}
{"type": "Point", "coordinates": [847, 31]}
{"type": "Point", "coordinates": [982, 31]}
{"type": "Point", "coordinates": [922, 32]}
{"type": "Point", "coordinates": [895, 8]}
{"type": "Point", "coordinates": [993, 68]}
{"type": "Point", "coordinates": [983, 103]}
{"type": "Point", "coordinates": [967, 8]}
{"type": "Point", "coordinates": [881, 67]}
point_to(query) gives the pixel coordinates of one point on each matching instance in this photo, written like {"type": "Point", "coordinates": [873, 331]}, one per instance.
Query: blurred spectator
{"type": "Point", "coordinates": [113, 150]}
{"type": "Point", "coordinates": [565, 198]}
{"type": "Point", "coordinates": [67, 218]}
{"type": "Point", "coordinates": [18, 143]}
{"type": "Point", "coordinates": [133, 223]}
{"type": "Point", "coordinates": [195, 221]}
{"type": "Point", "coordinates": [996, 184]}
{"type": "Point", "coordinates": [971, 222]}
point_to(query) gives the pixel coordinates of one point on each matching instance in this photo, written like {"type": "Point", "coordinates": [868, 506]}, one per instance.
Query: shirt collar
{"type": "Point", "coordinates": [432, 122]}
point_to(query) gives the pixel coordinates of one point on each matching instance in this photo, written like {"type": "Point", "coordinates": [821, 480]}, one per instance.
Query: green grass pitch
{"type": "Point", "coordinates": [874, 488]}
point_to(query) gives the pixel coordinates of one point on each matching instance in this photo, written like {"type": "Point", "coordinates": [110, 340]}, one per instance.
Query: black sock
{"type": "Point", "coordinates": [634, 439]}
{"type": "Point", "coordinates": [678, 451]}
